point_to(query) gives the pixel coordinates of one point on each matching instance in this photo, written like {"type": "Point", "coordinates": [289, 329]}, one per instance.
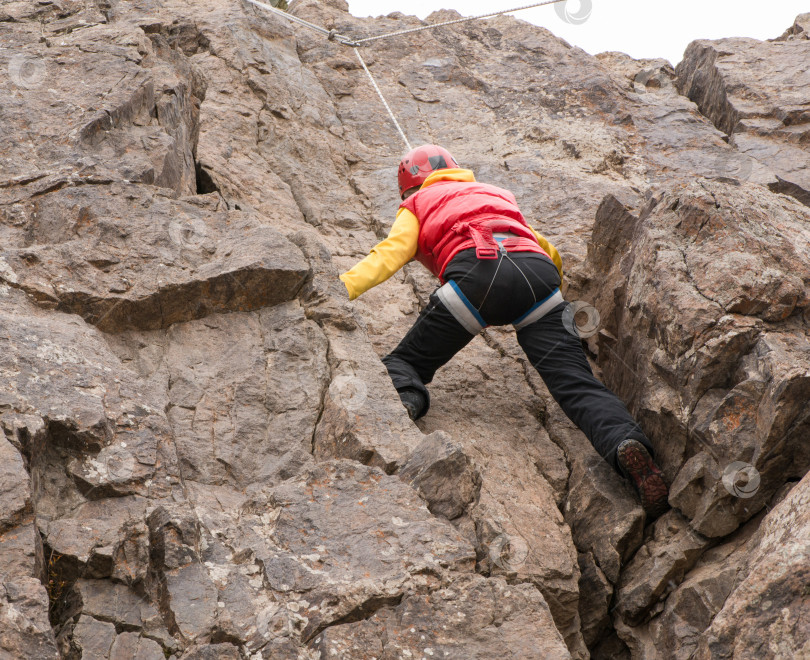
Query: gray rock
{"type": "Point", "coordinates": [689, 611]}
{"type": "Point", "coordinates": [87, 543]}
{"type": "Point", "coordinates": [474, 618]}
{"type": "Point", "coordinates": [363, 418]}
{"type": "Point", "coordinates": [719, 340]}
{"type": "Point", "coordinates": [760, 104]}
{"type": "Point", "coordinates": [93, 638]}
{"type": "Point", "coordinates": [658, 567]}
{"type": "Point", "coordinates": [693, 604]}
{"type": "Point", "coordinates": [191, 596]}
{"type": "Point", "coordinates": [115, 603]}
{"type": "Point", "coordinates": [25, 631]}
{"type": "Point", "coordinates": [775, 577]}
{"type": "Point", "coordinates": [799, 30]}
{"type": "Point", "coordinates": [174, 537]}
{"type": "Point", "coordinates": [605, 517]}
{"type": "Point", "coordinates": [343, 539]}
{"type": "Point", "coordinates": [245, 392]}
{"type": "Point", "coordinates": [595, 594]}
{"type": "Point", "coordinates": [15, 491]}
{"type": "Point", "coordinates": [177, 272]}
{"type": "Point", "coordinates": [212, 652]}
{"type": "Point", "coordinates": [443, 475]}
{"type": "Point", "coordinates": [129, 646]}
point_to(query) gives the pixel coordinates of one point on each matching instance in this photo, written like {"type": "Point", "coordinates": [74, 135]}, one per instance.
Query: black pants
{"type": "Point", "coordinates": [502, 290]}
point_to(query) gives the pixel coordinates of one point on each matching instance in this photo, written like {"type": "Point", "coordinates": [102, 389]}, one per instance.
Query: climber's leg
{"type": "Point", "coordinates": [435, 338]}
{"type": "Point", "coordinates": [559, 359]}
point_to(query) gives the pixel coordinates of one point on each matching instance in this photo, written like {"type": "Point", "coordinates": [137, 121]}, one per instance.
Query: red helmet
{"type": "Point", "coordinates": [419, 164]}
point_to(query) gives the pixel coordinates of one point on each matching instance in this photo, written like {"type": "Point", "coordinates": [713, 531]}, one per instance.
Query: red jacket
{"type": "Point", "coordinates": [457, 215]}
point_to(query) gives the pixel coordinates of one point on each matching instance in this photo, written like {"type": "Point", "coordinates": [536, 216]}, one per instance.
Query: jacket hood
{"type": "Point", "coordinates": [450, 174]}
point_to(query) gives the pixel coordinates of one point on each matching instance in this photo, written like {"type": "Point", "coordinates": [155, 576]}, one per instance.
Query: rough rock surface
{"type": "Point", "coordinates": [202, 455]}
{"type": "Point", "coordinates": [475, 618]}
{"type": "Point", "coordinates": [710, 282]}
{"type": "Point", "coordinates": [799, 30]}
{"type": "Point", "coordinates": [758, 93]}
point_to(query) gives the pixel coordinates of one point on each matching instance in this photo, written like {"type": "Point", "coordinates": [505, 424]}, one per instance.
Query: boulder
{"type": "Point", "coordinates": [442, 474]}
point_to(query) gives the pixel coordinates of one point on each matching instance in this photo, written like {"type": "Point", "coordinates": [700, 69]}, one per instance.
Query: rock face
{"type": "Point", "coordinates": [712, 284]}
{"type": "Point", "coordinates": [202, 455]}
{"type": "Point", "coordinates": [758, 93]}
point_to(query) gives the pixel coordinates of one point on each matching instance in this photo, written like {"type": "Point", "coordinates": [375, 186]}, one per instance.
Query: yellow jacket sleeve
{"type": "Point", "coordinates": [385, 258]}
{"type": "Point", "coordinates": [550, 250]}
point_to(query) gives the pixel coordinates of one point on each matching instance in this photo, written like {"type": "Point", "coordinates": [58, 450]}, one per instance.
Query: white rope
{"type": "Point", "coordinates": [382, 98]}
{"type": "Point", "coordinates": [346, 41]}
{"type": "Point", "coordinates": [454, 22]}
{"type": "Point", "coordinates": [291, 17]}
{"type": "Point", "coordinates": [333, 35]}
{"type": "Point", "coordinates": [329, 33]}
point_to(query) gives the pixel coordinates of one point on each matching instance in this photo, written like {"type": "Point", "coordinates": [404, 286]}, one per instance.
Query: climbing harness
{"type": "Point", "coordinates": [470, 317]}
{"type": "Point", "coordinates": [461, 308]}
{"type": "Point", "coordinates": [502, 253]}
{"type": "Point", "coordinates": [539, 310]}
{"type": "Point", "coordinates": [333, 35]}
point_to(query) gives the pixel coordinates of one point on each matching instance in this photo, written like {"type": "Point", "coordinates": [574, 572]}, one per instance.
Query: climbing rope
{"type": "Point", "coordinates": [382, 98]}
{"type": "Point", "coordinates": [456, 21]}
{"type": "Point", "coordinates": [333, 35]}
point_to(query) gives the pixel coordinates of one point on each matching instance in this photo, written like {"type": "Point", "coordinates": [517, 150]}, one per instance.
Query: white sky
{"type": "Point", "coordinates": [640, 28]}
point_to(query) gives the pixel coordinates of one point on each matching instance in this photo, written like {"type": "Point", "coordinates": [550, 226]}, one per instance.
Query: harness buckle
{"type": "Point", "coordinates": [486, 253]}
{"type": "Point", "coordinates": [485, 245]}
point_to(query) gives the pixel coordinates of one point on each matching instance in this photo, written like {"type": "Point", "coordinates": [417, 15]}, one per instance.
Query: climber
{"type": "Point", "coordinates": [495, 270]}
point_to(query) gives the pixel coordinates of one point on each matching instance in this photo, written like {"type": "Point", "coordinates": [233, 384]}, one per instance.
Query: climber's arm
{"type": "Point", "coordinates": [550, 250]}
{"type": "Point", "coordinates": [385, 258]}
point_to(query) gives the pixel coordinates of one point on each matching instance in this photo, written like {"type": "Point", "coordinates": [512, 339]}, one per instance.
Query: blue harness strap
{"type": "Point", "coordinates": [539, 310]}
{"type": "Point", "coordinates": [461, 308]}
{"type": "Point", "coordinates": [468, 316]}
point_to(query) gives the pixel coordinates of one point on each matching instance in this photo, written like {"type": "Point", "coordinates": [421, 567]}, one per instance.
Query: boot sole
{"type": "Point", "coordinates": [646, 477]}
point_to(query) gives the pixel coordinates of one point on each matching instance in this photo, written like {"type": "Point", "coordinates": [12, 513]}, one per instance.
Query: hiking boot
{"type": "Point", "coordinates": [638, 466]}
{"type": "Point", "coordinates": [414, 402]}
